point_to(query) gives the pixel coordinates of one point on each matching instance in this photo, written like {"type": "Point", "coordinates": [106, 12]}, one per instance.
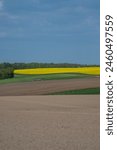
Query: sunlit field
{"type": "Point", "coordinates": [82, 80]}
{"type": "Point", "coordinates": [39, 71]}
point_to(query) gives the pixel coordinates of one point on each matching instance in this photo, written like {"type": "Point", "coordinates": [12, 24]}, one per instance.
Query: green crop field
{"type": "Point", "coordinates": [79, 92]}
{"type": "Point", "coordinates": [30, 78]}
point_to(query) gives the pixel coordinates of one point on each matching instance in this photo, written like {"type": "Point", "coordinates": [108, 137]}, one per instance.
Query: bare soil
{"type": "Point", "coordinates": [46, 87]}
{"type": "Point", "coordinates": [49, 123]}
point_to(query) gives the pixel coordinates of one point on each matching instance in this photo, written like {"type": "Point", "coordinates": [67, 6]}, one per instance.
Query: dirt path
{"type": "Point", "coordinates": [46, 87]}
{"type": "Point", "coordinates": [49, 123]}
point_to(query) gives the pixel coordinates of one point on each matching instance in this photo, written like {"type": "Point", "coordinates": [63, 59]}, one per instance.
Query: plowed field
{"type": "Point", "coordinates": [47, 87]}
{"type": "Point", "coordinates": [49, 123]}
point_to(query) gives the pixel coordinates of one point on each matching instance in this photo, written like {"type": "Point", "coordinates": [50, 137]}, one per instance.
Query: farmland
{"type": "Point", "coordinates": [49, 80]}
{"type": "Point", "coordinates": [33, 78]}
{"type": "Point", "coordinates": [87, 91]}
{"type": "Point", "coordinates": [49, 122]}
{"type": "Point", "coordinates": [45, 87]}
{"type": "Point", "coordinates": [38, 71]}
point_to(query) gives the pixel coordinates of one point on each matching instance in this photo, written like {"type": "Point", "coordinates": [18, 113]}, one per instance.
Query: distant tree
{"type": "Point", "coordinates": [6, 73]}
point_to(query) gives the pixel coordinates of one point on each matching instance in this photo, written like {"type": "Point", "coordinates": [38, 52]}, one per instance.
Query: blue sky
{"type": "Point", "coordinates": [49, 31]}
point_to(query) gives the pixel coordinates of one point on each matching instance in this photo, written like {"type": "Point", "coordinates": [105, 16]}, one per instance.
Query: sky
{"type": "Point", "coordinates": [57, 31]}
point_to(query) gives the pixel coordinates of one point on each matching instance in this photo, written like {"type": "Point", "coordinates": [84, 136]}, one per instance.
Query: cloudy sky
{"type": "Point", "coordinates": [49, 31]}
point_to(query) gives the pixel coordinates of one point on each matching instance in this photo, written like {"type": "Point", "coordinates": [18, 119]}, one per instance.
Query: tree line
{"type": "Point", "coordinates": [6, 73]}
{"type": "Point", "coordinates": [7, 69]}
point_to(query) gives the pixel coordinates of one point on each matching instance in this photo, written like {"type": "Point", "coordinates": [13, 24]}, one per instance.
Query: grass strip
{"type": "Point", "coordinates": [31, 78]}
{"type": "Point", "coordinates": [88, 91]}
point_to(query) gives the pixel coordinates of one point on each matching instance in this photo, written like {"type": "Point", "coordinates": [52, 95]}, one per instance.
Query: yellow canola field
{"type": "Point", "coordinates": [38, 71]}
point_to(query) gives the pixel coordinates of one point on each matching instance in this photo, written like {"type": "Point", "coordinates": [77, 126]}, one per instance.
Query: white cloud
{"type": "Point", "coordinates": [5, 15]}
{"type": "Point", "coordinates": [91, 21]}
{"type": "Point", "coordinates": [3, 34]}
{"type": "Point", "coordinates": [36, 1]}
{"type": "Point", "coordinates": [1, 5]}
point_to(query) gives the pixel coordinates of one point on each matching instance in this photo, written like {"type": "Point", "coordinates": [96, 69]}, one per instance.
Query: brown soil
{"type": "Point", "coordinates": [49, 123]}
{"type": "Point", "coordinates": [46, 87]}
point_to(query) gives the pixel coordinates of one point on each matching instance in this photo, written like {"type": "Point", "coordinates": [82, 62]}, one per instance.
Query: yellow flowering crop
{"type": "Point", "coordinates": [37, 71]}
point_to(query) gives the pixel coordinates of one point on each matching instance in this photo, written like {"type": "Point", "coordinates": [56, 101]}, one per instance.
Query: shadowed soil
{"type": "Point", "coordinates": [49, 123]}
{"type": "Point", "coordinates": [46, 87]}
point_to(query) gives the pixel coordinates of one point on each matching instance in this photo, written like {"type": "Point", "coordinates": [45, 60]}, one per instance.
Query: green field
{"type": "Point", "coordinates": [30, 78]}
{"type": "Point", "coordinates": [79, 92]}
{"type": "Point", "coordinates": [33, 78]}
